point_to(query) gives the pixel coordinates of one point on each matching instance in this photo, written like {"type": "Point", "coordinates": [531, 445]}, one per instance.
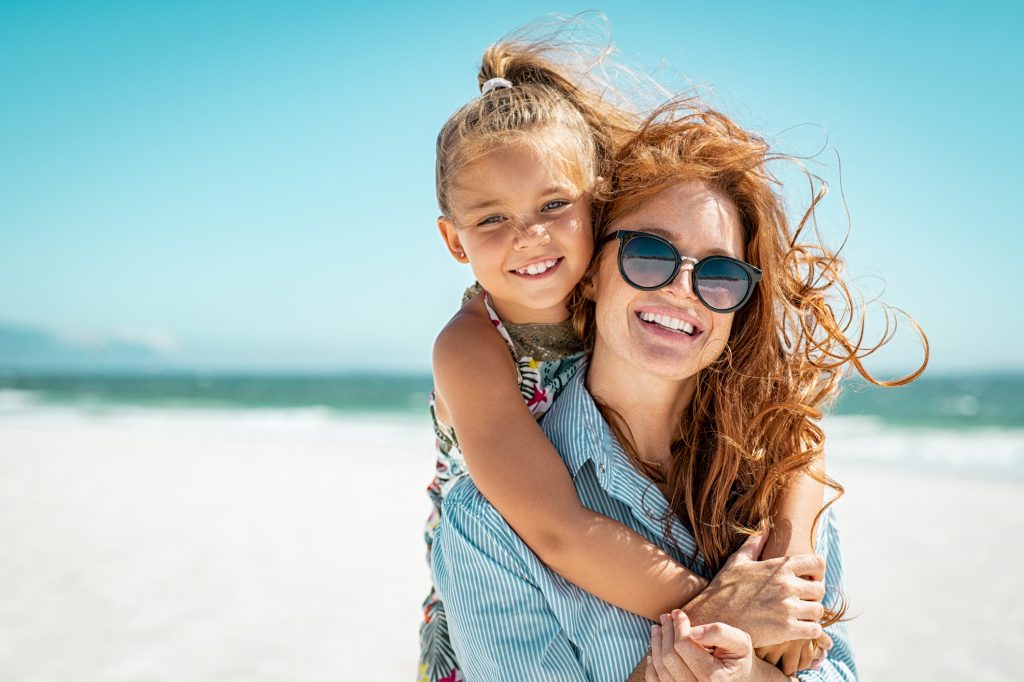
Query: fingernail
{"type": "Point", "coordinates": [697, 632]}
{"type": "Point", "coordinates": [655, 629]}
{"type": "Point", "coordinates": [675, 613]}
{"type": "Point", "coordinates": [664, 619]}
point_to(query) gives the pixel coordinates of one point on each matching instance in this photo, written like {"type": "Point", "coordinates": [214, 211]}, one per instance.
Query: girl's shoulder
{"type": "Point", "coordinates": [471, 325]}
{"type": "Point", "coordinates": [469, 339]}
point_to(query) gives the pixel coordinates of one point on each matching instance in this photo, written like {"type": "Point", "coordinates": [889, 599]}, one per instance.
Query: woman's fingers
{"type": "Point", "coordinates": [813, 590]}
{"type": "Point", "coordinates": [803, 609]}
{"type": "Point", "coordinates": [667, 639]}
{"type": "Point", "coordinates": [751, 549]}
{"type": "Point", "coordinates": [805, 629]}
{"type": "Point", "coordinates": [659, 667]}
{"type": "Point", "coordinates": [807, 565]}
{"type": "Point", "coordinates": [676, 634]}
{"type": "Point", "coordinates": [726, 641]}
{"type": "Point", "coordinates": [661, 651]}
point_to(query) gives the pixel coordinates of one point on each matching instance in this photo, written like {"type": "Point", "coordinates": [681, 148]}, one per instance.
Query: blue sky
{"type": "Point", "coordinates": [250, 185]}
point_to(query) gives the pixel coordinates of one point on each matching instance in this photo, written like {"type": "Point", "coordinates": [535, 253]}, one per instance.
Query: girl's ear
{"type": "Point", "coordinates": [450, 235]}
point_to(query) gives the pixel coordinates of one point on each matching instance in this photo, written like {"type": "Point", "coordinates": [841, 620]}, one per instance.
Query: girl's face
{"type": "Point", "coordinates": [524, 228]}
{"type": "Point", "coordinates": [639, 331]}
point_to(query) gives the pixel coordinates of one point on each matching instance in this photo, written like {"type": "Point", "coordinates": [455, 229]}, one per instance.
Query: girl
{"type": "Point", "coordinates": [517, 171]}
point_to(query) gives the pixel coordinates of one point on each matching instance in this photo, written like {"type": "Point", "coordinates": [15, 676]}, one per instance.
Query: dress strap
{"type": "Point", "coordinates": [503, 331]}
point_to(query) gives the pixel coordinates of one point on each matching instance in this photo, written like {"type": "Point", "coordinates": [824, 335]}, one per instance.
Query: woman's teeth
{"type": "Point", "coordinates": [667, 322]}
{"type": "Point", "coordinates": [538, 268]}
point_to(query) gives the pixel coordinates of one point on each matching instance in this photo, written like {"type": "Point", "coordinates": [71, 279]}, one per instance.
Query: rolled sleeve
{"type": "Point", "coordinates": [501, 626]}
{"type": "Point", "coordinates": [839, 665]}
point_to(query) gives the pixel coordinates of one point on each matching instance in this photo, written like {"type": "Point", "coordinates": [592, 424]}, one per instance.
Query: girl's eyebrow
{"type": "Point", "coordinates": [557, 189]}
{"type": "Point", "coordinates": [486, 203]}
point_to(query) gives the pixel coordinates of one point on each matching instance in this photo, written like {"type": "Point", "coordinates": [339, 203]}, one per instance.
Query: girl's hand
{"type": "Point", "coordinates": [706, 653]}
{"type": "Point", "coordinates": [800, 654]}
{"type": "Point", "coordinates": [775, 601]}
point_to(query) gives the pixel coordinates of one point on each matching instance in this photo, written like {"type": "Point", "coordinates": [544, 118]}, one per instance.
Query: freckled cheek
{"type": "Point", "coordinates": [718, 336]}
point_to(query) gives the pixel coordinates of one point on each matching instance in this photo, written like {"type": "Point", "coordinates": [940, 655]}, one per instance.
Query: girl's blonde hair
{"type": "Point", "coordinates": [753, 421]}
{"type": "Point", "coordinates": [545, 97]}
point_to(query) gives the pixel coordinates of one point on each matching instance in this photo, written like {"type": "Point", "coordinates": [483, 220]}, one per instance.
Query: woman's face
{"type": "Point", "coordinates": [633, 335]}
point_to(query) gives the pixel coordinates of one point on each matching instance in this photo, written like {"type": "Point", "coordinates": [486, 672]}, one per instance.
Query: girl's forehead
{"type": "Point", "coordinates": [519, 164]}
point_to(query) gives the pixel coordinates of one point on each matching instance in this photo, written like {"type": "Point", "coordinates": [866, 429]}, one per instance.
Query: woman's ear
{"type": "Point", "coordinates": [450, 235]}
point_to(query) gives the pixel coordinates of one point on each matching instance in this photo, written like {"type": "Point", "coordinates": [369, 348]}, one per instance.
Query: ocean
{"type": "Point", "coordinates": [967, 424]}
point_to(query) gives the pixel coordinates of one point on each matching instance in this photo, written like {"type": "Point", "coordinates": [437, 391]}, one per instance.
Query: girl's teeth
{"type": "Point", "coordinates": [537, 268]}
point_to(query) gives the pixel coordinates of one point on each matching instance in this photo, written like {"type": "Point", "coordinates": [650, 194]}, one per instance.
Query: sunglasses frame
{"type": "Point", "coordinates": [625, 236]}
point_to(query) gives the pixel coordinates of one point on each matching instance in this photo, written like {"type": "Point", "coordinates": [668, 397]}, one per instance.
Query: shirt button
{"type": "Point", "coordinates": [600, 467]}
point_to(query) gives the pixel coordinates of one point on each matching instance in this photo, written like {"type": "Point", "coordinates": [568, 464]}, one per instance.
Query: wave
{"type": "Point", "coordinates": [23, 408]}
{"type": "Point", "coordinates": [871, 441]}
{"type": "Point", "coordinates": [854, 440]}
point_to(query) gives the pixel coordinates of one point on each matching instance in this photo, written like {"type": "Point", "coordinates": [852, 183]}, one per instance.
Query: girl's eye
{"type": "Point", "coordinates": [490, 220]}
{"type": "Point", "coordinates": [556, 204]}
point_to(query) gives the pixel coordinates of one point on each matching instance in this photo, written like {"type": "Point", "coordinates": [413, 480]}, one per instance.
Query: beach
{"type": "Point", "coordinates": [202, 545]}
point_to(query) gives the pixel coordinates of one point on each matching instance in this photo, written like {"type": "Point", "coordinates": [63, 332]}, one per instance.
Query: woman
{"type": "Point", "coordinates": [712, 348]}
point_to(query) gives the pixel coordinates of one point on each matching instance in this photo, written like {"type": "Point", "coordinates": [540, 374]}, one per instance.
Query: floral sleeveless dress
{"type": "Point", "coordinates": [547, 356]}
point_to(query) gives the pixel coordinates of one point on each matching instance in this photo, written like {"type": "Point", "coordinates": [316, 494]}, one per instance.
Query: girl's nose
{"type": "Point", "coordinates": [533, 236]}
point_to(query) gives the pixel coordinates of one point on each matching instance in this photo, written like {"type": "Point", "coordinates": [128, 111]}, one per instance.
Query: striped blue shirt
{"type": "Point", "coordinates": [512, 618]}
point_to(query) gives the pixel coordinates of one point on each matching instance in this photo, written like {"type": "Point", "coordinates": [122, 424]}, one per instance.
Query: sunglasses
{"type": "Point", "coordinates": [649, 262]}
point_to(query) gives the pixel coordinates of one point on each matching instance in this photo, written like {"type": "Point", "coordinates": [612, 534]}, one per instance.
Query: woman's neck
{"type": "Point", "coordinates": [650, 406]}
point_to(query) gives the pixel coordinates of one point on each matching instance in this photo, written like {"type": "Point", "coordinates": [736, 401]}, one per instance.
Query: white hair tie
{"type": "Point", "coordinates": [493, 83]}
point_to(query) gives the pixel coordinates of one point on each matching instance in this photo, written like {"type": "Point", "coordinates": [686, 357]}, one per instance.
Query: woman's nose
{"type": "Point", "coordinates": [532, 236]}
{"type": "Point", "coordinates": [683, 283]}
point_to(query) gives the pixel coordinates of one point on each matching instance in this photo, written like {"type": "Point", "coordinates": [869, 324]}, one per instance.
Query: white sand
{"type": "Point", "coordinates": [183, 550]}
{"type": "Point", "coordinates": [934, 572]}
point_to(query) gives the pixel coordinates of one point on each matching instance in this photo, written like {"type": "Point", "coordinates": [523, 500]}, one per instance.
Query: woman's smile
{"type": "Point", "coordinates": [671, 320]}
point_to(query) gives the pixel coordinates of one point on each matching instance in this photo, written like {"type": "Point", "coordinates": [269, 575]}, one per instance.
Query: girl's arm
{"type": "Point", "coordinates": [797, 507]}
{"type": "Point", "coordinates": [517, 469]}
{"type": "Point", "coordinates": [792, 529]}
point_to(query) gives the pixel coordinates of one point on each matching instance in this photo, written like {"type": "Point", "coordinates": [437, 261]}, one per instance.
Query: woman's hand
{"type": "Point", "coordinates": [705, 653]}
{"type": "Point", "coordinates": [801, 654]}
{"type": "Point", "coordinates": [775, 601]}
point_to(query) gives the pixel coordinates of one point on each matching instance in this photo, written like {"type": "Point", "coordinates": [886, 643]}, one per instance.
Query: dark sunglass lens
{"type": "Point", "coordinates": [722, 284]}
{"type": "Point", "coordinates": [647, 262]}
